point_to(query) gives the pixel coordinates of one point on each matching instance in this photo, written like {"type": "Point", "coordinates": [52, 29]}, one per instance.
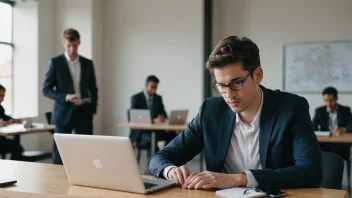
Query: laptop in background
{"type": "Point", "coordinates": [178, 117]}
{"type": "Point", "coordinates": [140, 116]}
{"type": "Point", "coordinates": [28, 123]}
{"type": "Point", "coordinates": [107, 162]}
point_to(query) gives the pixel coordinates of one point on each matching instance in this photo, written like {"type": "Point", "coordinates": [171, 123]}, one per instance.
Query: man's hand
{"type": "Point", "coordinates": [159, 119]}
{"type": "Point", "coordinates": [179, 175]}
{"type": "Point", "coordinates": [339, 131]}
{"type": "Point", "coordinates": [207, 179]}
{"type": "Point", "coordinates": [3, 123]}
{"type": "Point", "coordinates": [18, 121]}
{"type": "Point", "coordinates": [72, 98]}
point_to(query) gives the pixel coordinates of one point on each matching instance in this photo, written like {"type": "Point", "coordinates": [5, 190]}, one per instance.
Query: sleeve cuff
{"type": "Point", "coordinates": [66, 99]}
{"type": "Point", "coordinates": [252, 182]}
{"type": "Point", "coordinates": [166, 171]}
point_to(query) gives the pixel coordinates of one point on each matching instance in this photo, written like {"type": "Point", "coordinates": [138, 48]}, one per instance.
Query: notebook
{"type": "Point", "coordinates": [238, 193]}
{"type": "Point", "coordinates": [323, 133]}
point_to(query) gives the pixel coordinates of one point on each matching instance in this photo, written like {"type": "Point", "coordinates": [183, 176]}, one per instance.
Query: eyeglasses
{"type": "Point", "coordinates": [234, 85]}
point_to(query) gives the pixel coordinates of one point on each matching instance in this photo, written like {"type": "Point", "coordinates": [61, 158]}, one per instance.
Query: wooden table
{"type": "Point", "coordinates": [51, 180]}
{"type": "Point", "coordinates": [344, 138]}
{"type": "Point", "coordinates": [17, 130]}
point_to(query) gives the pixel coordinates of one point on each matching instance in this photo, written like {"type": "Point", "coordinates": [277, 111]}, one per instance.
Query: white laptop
{"type": "Point", "coordinates": [104, 162]}
{"type": "Point", "coordinates": [140, 116]}
{"type": "Point", "coordinates": [178, 117]}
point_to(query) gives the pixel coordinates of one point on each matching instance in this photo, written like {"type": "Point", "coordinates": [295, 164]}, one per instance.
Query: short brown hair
{"type": "Point", "coordinates": [71, 34]}
{"type": "Point", "coordinates": [234, 50]}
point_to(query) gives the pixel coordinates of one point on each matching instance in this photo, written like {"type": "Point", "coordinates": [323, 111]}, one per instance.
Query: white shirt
{"type": "Point", "coordinates": [332, 119]}
{"type": "Point", "coordinates": [75, 70]}
{"type": "Point", "coordinates": [243, 152]}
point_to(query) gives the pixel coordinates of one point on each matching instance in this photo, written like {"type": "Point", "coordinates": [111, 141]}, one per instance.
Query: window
{"type": "Point", "coordinates": [6, 53]}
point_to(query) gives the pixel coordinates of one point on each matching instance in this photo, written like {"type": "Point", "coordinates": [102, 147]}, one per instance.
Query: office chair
{"type": "Point", "coordinates": [332, 171]}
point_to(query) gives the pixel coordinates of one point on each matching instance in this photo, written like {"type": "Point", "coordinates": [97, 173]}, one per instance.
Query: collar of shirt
{"type": "Point", "coordinates": [256, 121]}
{"type": "Point", "coordinates": [328, 110]}
{"type": "Point", "coordinates": [69, 59]}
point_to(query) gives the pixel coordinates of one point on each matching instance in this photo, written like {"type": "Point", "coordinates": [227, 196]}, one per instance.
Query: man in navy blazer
{"type": "Point", "coordinates": [252, 136]}
{"type": "Point", "coordinates": [70, 81]}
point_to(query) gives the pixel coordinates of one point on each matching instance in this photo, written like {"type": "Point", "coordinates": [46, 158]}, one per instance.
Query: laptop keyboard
{"type": "Point", "coordinates": [149, 185]}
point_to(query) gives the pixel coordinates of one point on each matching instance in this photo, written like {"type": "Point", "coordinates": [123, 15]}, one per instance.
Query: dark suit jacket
{"type": "Point", "coordinates": [3, 115]}
{"type": "Point", "coordinates": [344, 118]}
{"type": "Point", "coordinates": [58, 83]}
{"type": "Point", "coordinates": [138, 101]}
{"type": "Point", "coordinates": [288, 148]}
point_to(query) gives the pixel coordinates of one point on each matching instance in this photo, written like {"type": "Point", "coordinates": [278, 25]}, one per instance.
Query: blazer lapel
{"type": "Point", "coordinates": [227, 124]}
{"type": "Point", "coordinates": [267, 121]}
{"type": "Point", "coordinates": [83, 75]}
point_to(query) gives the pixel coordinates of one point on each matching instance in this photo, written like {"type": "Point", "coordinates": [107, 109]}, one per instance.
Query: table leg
{"type": "Point", "coordinates": [152, 146]}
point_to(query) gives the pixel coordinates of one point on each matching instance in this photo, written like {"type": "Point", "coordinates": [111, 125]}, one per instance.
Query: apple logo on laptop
{"type": "Point", "coordinates": [179, 117]}
{"type": "Point", "coordinates": [97, 163]}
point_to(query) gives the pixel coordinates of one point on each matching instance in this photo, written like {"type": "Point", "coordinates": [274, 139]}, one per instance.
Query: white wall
{"type": "Point", "coordinates": [25, 37]}
{"type": "Point", "coordinates": [75, 14]}
{"type": "Point", "coordinates": [98, 59]}
{"type": "Point", "coordinates": [25, 86]}
{"type": "Point", "coordinates": [161, 37]}
{"type": "Point", "coordinates": [272, 23]}
{"type": "Point", "coordinates": [46, 45]}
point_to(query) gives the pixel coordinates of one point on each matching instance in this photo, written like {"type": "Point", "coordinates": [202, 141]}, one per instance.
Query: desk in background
{"type": "Point", "coordinates": [344, 138]}
{"type": "Point", "coordinates": [52, 180]}
{"type": "Point", "coordinates": [17, 130]}
{"type": "Point", "coordinates": [154, 128]}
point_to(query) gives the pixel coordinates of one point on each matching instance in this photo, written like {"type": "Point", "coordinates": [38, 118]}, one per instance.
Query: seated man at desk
{"type": "Point", "coordinates": [148, 99]}
{"type": "Point", "coordinates": [252, 136]}
{"type": "Point", "coordinates": [8, 145]}
{"type": "Point", "coordinates": [335, 118]}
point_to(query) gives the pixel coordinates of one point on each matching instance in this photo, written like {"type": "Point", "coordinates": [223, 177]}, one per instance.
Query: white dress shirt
{"type": "Point", "coordinates": [243, 152]}
{"type": "Point", "coordinates": [332, 118]}
{"type": "Point", "coordinates": [75, 70]}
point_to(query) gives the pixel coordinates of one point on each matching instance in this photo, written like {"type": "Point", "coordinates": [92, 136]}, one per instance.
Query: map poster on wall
{"type": "Point", "coordinates": [311, 67]}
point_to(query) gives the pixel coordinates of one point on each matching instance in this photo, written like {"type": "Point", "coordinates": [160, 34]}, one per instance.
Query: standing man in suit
{"type": "Point", "coordinates": [70, 81]}
{"type": "Point", "coordinates": [148, 99]}
{"type": "Point", "coordinates": [252, 136]}
{"type": "Point", "coordinates": [335, 118]}
{"type": "Point", "coordinates": [8, 145]}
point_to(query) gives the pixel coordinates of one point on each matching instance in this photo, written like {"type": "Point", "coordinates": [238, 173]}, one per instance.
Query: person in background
{"type": "Point", "coordinates": [335, 118]}
{"type": "Point", "coordinates": [149, 99]}
{"type": "Point", "coordinates": [8, 145]}
{"type": "Point", "coordinates": [70, 82]}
